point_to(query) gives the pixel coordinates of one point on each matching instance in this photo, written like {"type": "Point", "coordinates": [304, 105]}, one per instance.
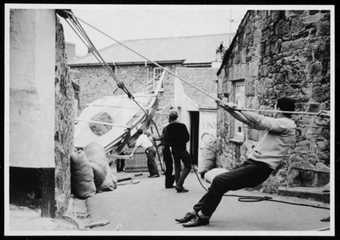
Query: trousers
{"type": "Point", "coordinates": [169, 177]}
{"type": "Point", "coordinates": [250, 174]}
{"type": "Point", "coordinates": [152, 166]}
{"type": "Point", "coordinates": [180, 154]}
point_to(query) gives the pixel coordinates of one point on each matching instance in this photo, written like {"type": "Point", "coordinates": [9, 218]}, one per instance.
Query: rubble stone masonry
{"type": "Point", "coordinates": [64, 124]}
{"type": "Point", "coordinates": [281, 53]}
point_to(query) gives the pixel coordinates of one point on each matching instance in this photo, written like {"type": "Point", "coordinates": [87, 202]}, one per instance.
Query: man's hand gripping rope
{"type": "Point", "coordinates": [229, 106]}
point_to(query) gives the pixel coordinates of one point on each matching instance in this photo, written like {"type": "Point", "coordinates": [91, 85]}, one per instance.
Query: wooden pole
{"type": "Point", "coordinates": [48, 204]}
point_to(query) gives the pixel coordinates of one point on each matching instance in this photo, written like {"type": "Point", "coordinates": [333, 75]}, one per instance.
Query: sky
{"type": "Point", "coordinates": [125, 22]}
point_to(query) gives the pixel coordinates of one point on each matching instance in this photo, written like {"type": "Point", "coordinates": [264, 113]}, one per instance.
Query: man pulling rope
{"type": "Point", "coordinates": [264, 159]}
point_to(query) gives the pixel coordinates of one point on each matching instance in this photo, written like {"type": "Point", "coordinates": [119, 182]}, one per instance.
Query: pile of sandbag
{"type": "Point", "coordinates": [207, 159]}
{"type": "Point", "coordinates": [90, 172]}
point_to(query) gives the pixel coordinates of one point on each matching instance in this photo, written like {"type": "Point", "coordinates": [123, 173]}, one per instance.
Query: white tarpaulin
{"type": "Point", "coordinates": [121, 112]}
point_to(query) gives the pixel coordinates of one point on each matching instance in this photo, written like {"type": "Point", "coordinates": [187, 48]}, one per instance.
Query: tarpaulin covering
{"type": "Point", "coordinates": [122, 112]}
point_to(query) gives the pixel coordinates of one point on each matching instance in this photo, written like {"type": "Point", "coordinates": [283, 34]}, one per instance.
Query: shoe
{"type": "Point", "coordinates": [154, 176]}
{"type": "Point", "coordinates": [188, 216]}
{"type": "Point", "coordinates": [170, 186]}
{"type": "Point", "coordinates": [181, 190]}
{"type": "Point", "coordinates": [196, 221]}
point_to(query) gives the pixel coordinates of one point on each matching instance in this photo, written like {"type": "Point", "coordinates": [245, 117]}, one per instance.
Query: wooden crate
{"type": "Point", "coordinates": [138, 163]}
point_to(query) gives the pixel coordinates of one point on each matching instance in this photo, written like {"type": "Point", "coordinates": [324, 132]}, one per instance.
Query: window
{"type": "Point", "coordinates": [239, 99]}
{"type": "Point", "coordinates": [157, 73]}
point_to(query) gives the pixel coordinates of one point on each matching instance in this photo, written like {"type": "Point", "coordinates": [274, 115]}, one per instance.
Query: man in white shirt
{"type": "Point", "coordinates": [145, 142]}
{"type": "Point", "coordinates": [264, 159]}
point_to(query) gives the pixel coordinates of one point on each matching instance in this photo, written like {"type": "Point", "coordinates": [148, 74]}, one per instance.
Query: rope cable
{"type": "Point", "coordinates": [243, 198]}
{"type": "Point", "coordinates": [156, 146]}
{"type": "Point", "coordinates": [97, 55]}
{"type": "Point", "coordinates": [190, 84]}
{"type": "Point", "coordinates": [142, 56]}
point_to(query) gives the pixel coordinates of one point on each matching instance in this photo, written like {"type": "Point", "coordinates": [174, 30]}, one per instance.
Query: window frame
{"type": "Point", "coordinates": [153, 78]}
{"type": "Point", "coordinates": [237, 137]}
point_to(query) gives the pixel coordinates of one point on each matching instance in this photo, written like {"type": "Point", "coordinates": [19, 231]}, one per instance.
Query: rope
{"type": "Point", "coordinates": [156, 146]}
{"type": "Point", "coordinates": [81, 33]}
{"type": "Point", "coordinates": [321, 113]}
{"type": "Point", "coordinates": [242, 198]}
{"type": "Point", "coordinates": [155, 63]}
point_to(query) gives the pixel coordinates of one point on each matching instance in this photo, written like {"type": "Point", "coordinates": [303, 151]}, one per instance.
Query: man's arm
{"type": "Point", "coordinates": [230, 108]}
{"type": "Point", "coordinates": [186, 134]}
{"type": "Point", "coordinates": [254, 120]}
{"type": "Point", "coordinates": [261, 122]}
{"type": "Point", "coordinates": [136, 146]}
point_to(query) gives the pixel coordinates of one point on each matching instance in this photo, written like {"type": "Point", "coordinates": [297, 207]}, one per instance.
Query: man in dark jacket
{"type": "Point", "coordinates": [176, 135]}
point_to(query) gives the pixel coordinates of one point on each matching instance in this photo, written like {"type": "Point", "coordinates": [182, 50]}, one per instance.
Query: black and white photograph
{"type": "Point", "coordinates": [169, 120]}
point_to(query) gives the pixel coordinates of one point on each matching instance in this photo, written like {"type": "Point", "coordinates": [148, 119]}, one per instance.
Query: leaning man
{"type": "Point", "coordinates": [264, 159]}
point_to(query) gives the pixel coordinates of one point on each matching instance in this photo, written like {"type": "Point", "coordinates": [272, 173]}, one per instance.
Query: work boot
{"type": "Point", "coordinates": [181, 189]}
{"type": "Point", "coordinates": [196, 221]}
{"type": "Point", "coordinates": [188, 216]}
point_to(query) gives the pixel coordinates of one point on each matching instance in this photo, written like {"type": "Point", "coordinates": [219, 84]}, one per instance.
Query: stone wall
{"type": "Point", "coordinates": [64, 123]}
{"type": "Point", "coordinates": [281, 53]}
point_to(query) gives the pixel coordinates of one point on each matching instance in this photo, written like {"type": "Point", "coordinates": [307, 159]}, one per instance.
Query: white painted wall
{"type": "Point", "coordinates": [207, 125]}
{"type": "Point", "coordinates": [32, 96]}
{"type": "Point", "coordinates": [184, 104]}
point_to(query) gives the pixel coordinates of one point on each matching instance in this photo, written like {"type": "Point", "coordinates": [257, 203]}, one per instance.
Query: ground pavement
{"type": "Point", "coordinates": [148, 206]}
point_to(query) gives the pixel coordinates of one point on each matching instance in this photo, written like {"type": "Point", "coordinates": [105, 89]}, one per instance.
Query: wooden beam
{"type": "Point", "coordinates": [48, 204]}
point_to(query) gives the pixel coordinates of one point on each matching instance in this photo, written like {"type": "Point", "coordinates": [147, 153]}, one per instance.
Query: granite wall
{"type": "Point", "coordinates": [281, 53]}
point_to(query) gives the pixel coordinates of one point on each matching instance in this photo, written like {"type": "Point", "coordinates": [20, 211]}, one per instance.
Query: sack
{"type": "Point", "coordinates": [207, 159]}
{"type": "Point", "coordinates": [95, 153]}
{"type": "Point", "coordinates": [104, 178]}
{"type": "Point", "coordinates": [82, 184]}
{"type": "Point", "coordinates": [110, 182]}
{"type": "Point", "coordinates": [99, 173]}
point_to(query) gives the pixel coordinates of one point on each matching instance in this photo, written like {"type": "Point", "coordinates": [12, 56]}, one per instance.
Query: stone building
{"type": "Point", "coordinates": [274, 54]}
{"type": "Point", "coordinates": [41, 111]}
{"type": "Point", "coordinates": [193, 58]}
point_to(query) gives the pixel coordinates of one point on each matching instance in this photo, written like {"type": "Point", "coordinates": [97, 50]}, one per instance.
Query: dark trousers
{"type": "Point", "coordinates": [180, 154]}
{"type": "Point", "coordinates": [120, 164]}
{"type": "Point", "coordinates": [169, 177]}
{"type": "Point", "coordinates": [152, 166]}
{"type": "Point", "coordinates": [249, 174]}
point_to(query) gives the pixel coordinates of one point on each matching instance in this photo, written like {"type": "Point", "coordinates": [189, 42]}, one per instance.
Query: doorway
{"type": "Point", "coordinates": [194, 130]}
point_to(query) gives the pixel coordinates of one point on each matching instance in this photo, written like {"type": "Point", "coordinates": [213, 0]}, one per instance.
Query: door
{"type": "Point", "coordinates": [194, 127]}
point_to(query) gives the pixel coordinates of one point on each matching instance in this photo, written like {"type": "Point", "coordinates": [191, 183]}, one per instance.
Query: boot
{"type": "Point", "coordinates": [196, 221]}
{"type": "Point", "coordinates": [188, 216]}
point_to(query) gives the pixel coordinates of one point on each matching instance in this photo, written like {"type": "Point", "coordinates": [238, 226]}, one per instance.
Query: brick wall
{"type": "Point", "coordinates": [280, 53]}
{"type": "Point", "coordinates": [64, 124]}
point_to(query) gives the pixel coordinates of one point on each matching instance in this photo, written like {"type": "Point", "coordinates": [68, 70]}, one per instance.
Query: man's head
{"type": "Point", "coordinates": [286, 104]}
{"type": "Point", "coordinates": [173, 115]}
